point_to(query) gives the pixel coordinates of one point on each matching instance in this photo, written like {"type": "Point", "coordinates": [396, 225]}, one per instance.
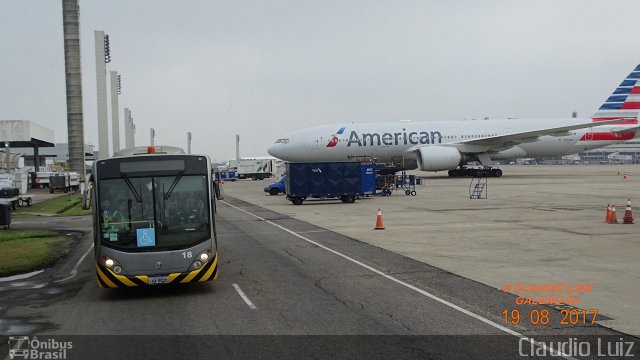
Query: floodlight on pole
{"type": "Point", "coordinates": [107, 50]}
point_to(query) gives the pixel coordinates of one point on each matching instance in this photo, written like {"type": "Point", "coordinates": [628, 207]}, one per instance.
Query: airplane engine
{"type": "Point", "coordinates": [438, 158]}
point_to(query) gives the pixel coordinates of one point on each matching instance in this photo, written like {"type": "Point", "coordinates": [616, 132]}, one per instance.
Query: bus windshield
{"type": "Point", "coordinates": [154, 213]}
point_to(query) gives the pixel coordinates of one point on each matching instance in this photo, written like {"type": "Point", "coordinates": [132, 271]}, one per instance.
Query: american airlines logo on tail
{"type": "Point", "coordinates": [334, 138]}
{"type": "Point", "coordinates": [624, 102]}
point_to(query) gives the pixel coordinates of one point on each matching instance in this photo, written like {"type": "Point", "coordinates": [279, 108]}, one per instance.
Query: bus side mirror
{"type": "Point", "coordinates": [86, 198]}
{"type": "Point", "coordinates": [217, 187]}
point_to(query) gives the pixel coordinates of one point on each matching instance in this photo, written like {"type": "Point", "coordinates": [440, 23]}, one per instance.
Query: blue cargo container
{"type": "Point", "coordinates": [226, 175]}
{"type": "Point", "coordinates": [368, 179]}
{"type": "Point", "coordinates": [323, 180]}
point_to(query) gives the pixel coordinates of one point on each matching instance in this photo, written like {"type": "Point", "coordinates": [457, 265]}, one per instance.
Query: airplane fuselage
{"type": "Point", "coordinates": [398, 141]}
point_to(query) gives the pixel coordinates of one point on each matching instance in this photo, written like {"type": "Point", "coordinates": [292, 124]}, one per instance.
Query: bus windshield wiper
{"type": "Point", "coordinates": [133, 189]}
{"type": "Point", "coordinates": [173, 186]}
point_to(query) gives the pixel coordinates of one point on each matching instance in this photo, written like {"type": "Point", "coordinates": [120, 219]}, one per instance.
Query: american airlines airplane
{"type": "Point", "coordinates": [450, 145]}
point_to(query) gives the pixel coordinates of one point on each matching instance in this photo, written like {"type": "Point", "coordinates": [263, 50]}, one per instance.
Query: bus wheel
{"type": "Point", "coordinates": [297, 201]}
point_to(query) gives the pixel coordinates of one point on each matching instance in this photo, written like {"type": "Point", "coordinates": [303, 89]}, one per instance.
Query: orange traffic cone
{"type": "Point", "coordinates": [613, 218]}
{"type": "Point", "coordinates": [607, 216]}
{"type": "Point", "coordinates": [628, 216]}
{"type": "Point", "coordinates": [379, 224]}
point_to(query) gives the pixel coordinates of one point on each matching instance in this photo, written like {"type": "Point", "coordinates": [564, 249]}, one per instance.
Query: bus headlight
{"type": "Point", "coordinates": [109, 263]}
{"type": "Point", "coordinates": [197, 264]}
{"type": "Point", "coordinates": [204, 257]}
{"type": "Point", "coordinates": [117, 269]}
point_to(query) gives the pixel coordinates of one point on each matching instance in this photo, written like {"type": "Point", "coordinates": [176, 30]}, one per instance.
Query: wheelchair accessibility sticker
{"type": "Point", "coordinates": [146, 237]}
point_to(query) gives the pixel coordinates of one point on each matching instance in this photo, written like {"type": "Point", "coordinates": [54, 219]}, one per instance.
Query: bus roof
{"type": "Point", "coordinates": [142, 150]}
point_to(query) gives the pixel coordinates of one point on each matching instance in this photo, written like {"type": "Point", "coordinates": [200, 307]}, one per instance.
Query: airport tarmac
{"type": "Point", "coordinates": [539, 225]}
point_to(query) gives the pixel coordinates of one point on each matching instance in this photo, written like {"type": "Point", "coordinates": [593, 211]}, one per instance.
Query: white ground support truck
{"type": "Point", "coordinates": [255, 168]}
{"type": "Point", "coordinates": [13, 190]}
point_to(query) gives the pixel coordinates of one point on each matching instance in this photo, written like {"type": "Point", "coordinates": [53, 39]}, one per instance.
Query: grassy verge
{"type": "Point", "coordinates": [68, 205]}
{"type": "Point", "coordinates": [22, 251]}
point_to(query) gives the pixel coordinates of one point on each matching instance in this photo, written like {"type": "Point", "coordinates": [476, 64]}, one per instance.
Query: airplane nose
{"type": "Point", "coordinates": [280, 151]}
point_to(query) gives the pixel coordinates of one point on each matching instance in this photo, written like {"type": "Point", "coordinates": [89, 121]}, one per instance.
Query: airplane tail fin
{"type": "Point", "coordinates": [624, 102]}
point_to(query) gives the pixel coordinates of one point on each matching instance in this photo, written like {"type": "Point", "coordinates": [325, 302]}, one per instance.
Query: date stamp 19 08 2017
{"type": "Point", "coordinates": [555, 295]}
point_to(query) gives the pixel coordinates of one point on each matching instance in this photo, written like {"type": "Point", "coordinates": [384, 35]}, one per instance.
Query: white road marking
{"type": "Point", "coordinates": [74, 271]}
{"type": "Point", "coordinates": [244, 297]}
{"type": "Point", "coordinates": [21, 276]}
{"type": "Point", "coordinates": [414, 288]}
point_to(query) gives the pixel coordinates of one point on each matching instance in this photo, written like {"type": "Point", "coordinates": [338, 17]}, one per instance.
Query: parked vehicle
{"type": "Point", "coordinates": [40, 180]}
{"type": "Point", "coordinates": [277, 187]}
{"type": "Point", "coordinates": [13, 190]}
{"type": "Point", "coordinates": [253, 168]}
{"type": "Point", "coordinates": [74, 181]}
{"type": "Point", "coordinates": [59, 182]}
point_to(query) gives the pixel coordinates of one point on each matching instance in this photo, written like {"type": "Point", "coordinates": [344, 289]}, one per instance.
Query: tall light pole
{"type": "Point", "coordinates": [7, 158]}
{"type": "Point", "coordinates": [128, 129]}
{"type": "Point", "coordinates": [189, 142]}
{"type": "Point", "coordinates": [116, 89]}
{"type": "Point", "coordinates": [133, 136]}
{"type": "Point", "coordinates": [153, 135]}
{"type": "Point", "coordinates": [73, 77]}
{"type": "Point", "coordinates": [238, 147]}
{"type": "Point", "coordinates": [103, 56]}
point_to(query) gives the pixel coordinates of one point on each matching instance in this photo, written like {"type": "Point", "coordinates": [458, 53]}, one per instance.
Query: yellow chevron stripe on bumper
{"type": "Point", "coordinates": [108, 279]}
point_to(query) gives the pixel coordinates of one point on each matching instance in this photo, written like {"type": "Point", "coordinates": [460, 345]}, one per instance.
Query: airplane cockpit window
{"type": "Point", "coordinates": [282, 141]}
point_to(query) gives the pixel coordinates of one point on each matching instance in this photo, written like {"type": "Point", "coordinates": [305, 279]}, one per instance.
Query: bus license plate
{"type": "Point", "coordinates": [157, 280]}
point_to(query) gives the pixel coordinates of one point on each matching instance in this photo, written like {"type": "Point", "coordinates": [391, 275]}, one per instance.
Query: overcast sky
{"type": "Point", "coordinates": [263, 68]}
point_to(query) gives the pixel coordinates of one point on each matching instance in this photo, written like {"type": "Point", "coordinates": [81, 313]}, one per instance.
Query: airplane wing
{"type": "Point", "coordinates": [503, 142]}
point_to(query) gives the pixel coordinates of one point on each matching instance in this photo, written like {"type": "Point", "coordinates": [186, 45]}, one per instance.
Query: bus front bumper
{"type": "Point", "coordinates": [108, 279]}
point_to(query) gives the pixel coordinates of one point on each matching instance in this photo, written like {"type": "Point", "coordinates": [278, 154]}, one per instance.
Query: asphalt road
{"type": "Point", "coordinates": [333, 296]}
